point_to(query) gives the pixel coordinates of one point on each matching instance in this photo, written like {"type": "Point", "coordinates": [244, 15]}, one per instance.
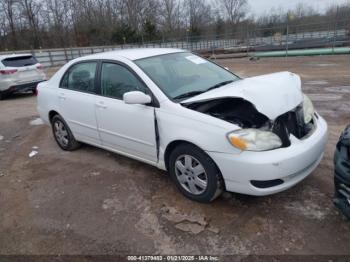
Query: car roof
{"type": "Point", "coordinates": [134, 53]}
{"type": "Point", "coordinates": [13, 55]}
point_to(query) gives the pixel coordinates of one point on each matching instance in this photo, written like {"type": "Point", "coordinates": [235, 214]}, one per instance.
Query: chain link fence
{"type": "Point", "coordinates": [248, 41]}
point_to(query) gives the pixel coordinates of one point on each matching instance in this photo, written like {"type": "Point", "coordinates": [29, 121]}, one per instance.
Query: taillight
{"type": "Point", "coordinates": [40, 66]}
{"type": "Point", "coordinates": [8, 71]}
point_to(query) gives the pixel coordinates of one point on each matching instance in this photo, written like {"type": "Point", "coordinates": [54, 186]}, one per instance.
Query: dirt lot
{"type": "Point", "coordinates": [94, 202]}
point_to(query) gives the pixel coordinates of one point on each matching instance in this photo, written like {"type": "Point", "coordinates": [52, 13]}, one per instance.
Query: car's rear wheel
{"type": "Point", "coordinates": [63, 135]}
{"type": "Point", "coordinates": [195, 173]}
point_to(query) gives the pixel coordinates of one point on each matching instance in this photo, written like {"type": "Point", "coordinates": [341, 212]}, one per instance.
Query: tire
{"type": "Point", "coordinates": [63, 135]}
{"type": "Point", "coordinates": [2, 96]}
{"type": "Point", "coordinates": [189, 168]}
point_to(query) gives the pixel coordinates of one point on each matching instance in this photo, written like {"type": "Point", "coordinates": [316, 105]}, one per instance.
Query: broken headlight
{"type": "Point", "coordinates": [308, 108]}
{"type": "Point", "coordinates": [254, 140]}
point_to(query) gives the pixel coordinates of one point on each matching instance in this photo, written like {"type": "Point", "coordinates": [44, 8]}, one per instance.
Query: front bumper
{"type": "Point", "coordinates": [283, 167]}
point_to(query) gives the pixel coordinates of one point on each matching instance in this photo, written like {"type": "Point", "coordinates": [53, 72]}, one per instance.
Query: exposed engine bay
{"type": "Point", "coordinates": [234, 110]}
{"type": "Point", "coordinates": [244, 114]}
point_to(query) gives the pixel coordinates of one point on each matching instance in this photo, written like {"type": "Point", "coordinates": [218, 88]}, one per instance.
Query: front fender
{"type": "Point", "coordinates": [200, 132]}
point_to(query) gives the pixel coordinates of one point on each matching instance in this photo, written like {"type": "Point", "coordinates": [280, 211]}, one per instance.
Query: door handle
{"type": "Point", "coordinates": [62, 96]}
{"type": "Point", "coordinates": [101, 105]}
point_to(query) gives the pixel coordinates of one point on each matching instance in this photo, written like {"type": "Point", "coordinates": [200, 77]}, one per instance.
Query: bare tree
{"type": "Point", "coordinates": [170, 16]}
{"type": "Point", "coordinates": [199, 15]}
{"type": "Point", "coordinates": [234, 10]}
{"type": "Point", "coordinates": [135, 10]}
{"type": "Point", "coordinates": [56, 15]}
{"type": "Point", "coordinates": [31, 11]}
{"type": "Point", "coordinates": [8, 8]}
{"type": "Point", "coordinates": [302, 10]}
{"type": "Point", "coordinates": [28, 24]}
{"type": "Point", "coordinates": [2, 29]}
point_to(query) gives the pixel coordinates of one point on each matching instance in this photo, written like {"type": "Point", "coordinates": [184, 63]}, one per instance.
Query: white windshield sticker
{"type": "Point", "coordinates": [196, 59]}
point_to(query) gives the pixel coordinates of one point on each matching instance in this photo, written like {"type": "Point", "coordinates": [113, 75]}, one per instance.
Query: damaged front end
{"type": "Point", "coordinates": [244, 114]}
{"type": "Point", "coordinates": [234, 110]}
{"type": "Point", "coordinates": [293, 123]}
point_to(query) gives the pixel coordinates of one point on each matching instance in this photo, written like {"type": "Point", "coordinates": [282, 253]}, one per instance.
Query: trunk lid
{"type": "Point", "coordinates": [27, 74]}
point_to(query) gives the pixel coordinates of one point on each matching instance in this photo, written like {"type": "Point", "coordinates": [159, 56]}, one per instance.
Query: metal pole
{"type": "Point", "coordinates": [65, 54]}
{"type": "Point", "coordinates": [50, 57]}
{"type": "Point", "coordinates": [287, 36]}
{"type": "Point", "coordinates": [248, 40]}
{"type": "Point", "coordinates": [335, 29]}
{"type": "Point", "coordinates": [187, 37]}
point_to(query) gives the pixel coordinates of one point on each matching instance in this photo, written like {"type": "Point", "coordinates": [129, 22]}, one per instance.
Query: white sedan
{"type": "Point", "coordinates": [210, 129]}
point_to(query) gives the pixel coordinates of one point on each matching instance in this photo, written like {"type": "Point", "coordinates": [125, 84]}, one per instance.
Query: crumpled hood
{"type": "Point", "coordinates": [272, 94]}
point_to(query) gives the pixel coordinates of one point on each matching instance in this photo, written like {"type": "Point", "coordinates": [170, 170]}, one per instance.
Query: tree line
{"type": "Point", "coordinates": [33, 24]}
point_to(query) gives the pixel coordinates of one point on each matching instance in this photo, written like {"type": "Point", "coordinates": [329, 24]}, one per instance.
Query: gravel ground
{"type": "Point", "coordinates": [94, 202]}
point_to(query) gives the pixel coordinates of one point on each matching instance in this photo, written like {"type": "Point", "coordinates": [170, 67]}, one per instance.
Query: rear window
{"type": "Point", "coordinates": [19, 61]}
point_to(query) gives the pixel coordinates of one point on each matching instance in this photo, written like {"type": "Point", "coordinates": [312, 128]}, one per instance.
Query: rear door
{"type": "Point", "coordinates": [27, 69]}
{"type": "Point", "coordinates": [128, 129]}
{"type": "Point", "coordinates": [77, 101]}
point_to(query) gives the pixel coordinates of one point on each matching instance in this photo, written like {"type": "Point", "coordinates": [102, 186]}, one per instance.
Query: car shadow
{"type": "Point", "coordinates": [159, 182]}
{"type": "Point", "coordinates": [17, 96]}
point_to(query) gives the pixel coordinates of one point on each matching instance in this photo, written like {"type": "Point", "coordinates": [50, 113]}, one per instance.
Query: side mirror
{"type": "Point", "coordinates": [136, 97]}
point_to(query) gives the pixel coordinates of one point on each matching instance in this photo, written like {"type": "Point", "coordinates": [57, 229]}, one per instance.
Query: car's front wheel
{"type": "Point", "coordinates": [63, 135]}
{"type": "Point", "coordinates": [195, 173]}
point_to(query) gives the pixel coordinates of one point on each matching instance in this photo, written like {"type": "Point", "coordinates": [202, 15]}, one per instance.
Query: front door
{"type": "Point", "coordinates": [125, 128]}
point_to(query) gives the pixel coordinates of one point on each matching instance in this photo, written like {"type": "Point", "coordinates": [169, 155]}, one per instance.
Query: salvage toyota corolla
{"type": "Point", "coordinates": [210, 129]}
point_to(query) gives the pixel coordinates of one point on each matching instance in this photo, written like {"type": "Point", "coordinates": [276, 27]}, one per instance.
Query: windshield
{"type": "Point", "coordinates": [183, 75]}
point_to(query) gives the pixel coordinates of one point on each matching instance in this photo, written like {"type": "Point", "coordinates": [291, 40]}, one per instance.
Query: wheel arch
{"type": "Point", "coordinates": [52, 113]}
{"type": "Point", "coordinates": [171, 146]}
{"type": "Point", "coordinates": [175, 143]}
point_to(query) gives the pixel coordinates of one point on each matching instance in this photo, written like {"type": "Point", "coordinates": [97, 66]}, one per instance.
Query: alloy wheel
{"type": "Point", "coordinates": [61, 133]}
{"type": "Point", "coordinates": [191, 174]}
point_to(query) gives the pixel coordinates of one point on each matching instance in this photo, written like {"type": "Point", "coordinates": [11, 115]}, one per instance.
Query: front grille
{"type": "Point", "coordinates": [293, 123]}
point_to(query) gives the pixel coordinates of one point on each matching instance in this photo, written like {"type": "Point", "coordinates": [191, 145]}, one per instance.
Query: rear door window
{"type": "Point", "coordinates": [80, 77]}
{"type": "Point", "coordinates": [19, 61]}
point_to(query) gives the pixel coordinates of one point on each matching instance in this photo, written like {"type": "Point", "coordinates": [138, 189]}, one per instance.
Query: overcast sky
{"type": "Point", "coordinates": [259, 7]}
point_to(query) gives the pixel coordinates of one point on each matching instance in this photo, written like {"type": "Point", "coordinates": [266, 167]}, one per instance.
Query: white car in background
{"type": "Point", "coordinates": [19, 73]}
{"type": "Point", "coordinates": [210, 129]}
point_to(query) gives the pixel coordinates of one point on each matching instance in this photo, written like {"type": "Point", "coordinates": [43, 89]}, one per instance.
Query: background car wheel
{"type": "Point", "coordinates": [195, 173]}
{"type": "Point", "coordinates": [63, 135]}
